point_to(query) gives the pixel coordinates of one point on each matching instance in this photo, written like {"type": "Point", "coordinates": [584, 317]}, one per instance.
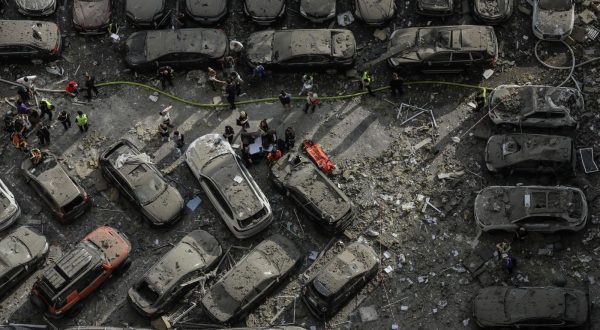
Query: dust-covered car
{"type": "Point", "coordinates": [317, 11]}
{"type": "Point", "coordinates": [140, 182]}
{"type": "Point", "coordinates": [535, 208]}
{"type": "Point", "coordinates": [375, 12]}
{"type": "Point", "coordinates": [436, 8]}
{"type": "Point", "coordinates": [492, 11]}
{"type": "Point", "coordinates": [172, 276]}
{"type": "Point", "coordinates": [206, 11]}
{"type": "Point", "coordinates": [146, 13]}
{"type": "Point", "coordinates": [251, 279]}
{"type": "Point", "coordinates": [80, 272]}
{"type": "Point", "coordinates": [443, 49]}
{"type": "Point", "coordinates": [228, 185]}
{"type": "Point", "coordinates": [65, 197]}
{"type": "Point", "coordinates": [91, 16]}
{"type": "Point", "coordinates": [9, 208]}
{"type": "Point", "coordinates": [553, 19]}
{"type": "Point", "coordinates": [340, 280]}
{"type": "Point", "coordinates": [264, 12]}
{"type": "Point", "coordinates": [29, 39]}
{"type": "Point", "coordinates": [22, 252]}
{"type": "Point", "coordinates": [277, 327]}
{"type": "Point", "coordinates": [36, 7]}
{"type": "Point", "coordinates": [182, 48]}
{"type": "Point", "coordinates": [297, 177]}
{"type": "Point", "coordinates": [530, 307]}
{"type": "Point", "coordinates": [530, 153]}
{"type": "Point", "coordinates": [535, 106]}
{"type": "Point", "coordinates": [301, 48]}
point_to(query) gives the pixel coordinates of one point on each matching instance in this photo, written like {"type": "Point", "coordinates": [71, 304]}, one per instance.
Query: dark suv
{"type": "Point", "coordinates": [80, 272]}
{"type": "Point", "coordinates": [443, 49]}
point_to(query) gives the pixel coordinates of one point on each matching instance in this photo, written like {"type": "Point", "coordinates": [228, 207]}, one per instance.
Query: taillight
{"type": "Point", "coordinates": [493, 61]}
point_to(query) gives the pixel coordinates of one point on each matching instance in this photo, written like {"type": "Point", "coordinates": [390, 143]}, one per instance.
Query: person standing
{"type": "Point", "coordinates": [43, 134]}
{"type": "Point", "coordinates": [65, 119]}
{"type": "Point", "coordinates": [243, 121]}
{"type": "Point", "coordinates": [366, 82]}
{"type": "Point", "coordinates": [90, 85]}
{"type": "Point", "coordinates": [24, 93]}
{"type": "Point", "coordinates": [285, 99]}
{"type": "Point", "coordinates": [82, 121]}
{"type": "Point", "coordinates": [163, 131]}
{"type": "Point", "coordinates": [290, 138]}
{"type": "Point", "coordinates": [258, 72]}
{"type": "Point", "coordinates": [396, 85]}
{"type": "Point", "coordinates": [179, 139]}
{"type": "Point", "coordinates": [480, 102]}
{"type": "Point", "coordinates": [307, 84]}
{"type": "Point", "coordinates": [230, 90]}
{"type": "Point", "coordinates": [165, 74]}
{"type": "Point", "coordinates": [165, 116]}
{"type": "Point", "coordinates": [312, 100]}
{"type": "Point", "coordinates": [263, 127]}
{"type": "Point", "coordinates": [46, 107]}
{"type": "Point", "coordinates": [237, 81]}
{"type": "Point", "coordinates": [229, 133]}
{"type": "Point", "coordinates": [212, 79]}
{"type": "Point", "coordinates": [22, 108]}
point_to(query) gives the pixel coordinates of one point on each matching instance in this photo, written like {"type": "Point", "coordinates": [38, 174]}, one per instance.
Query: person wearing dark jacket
{"type": "Point", "coordinates": [43, 134]}
{"type": "Point", "coordinates": [165, 74]}
{"type": "Point", "coordinates": [229, 133]}
{"type": "Point", "coordinates": [231, 92]}
{"type": "Point", "coordinates": [90, 85]}
{"type": "Point", "coordinates": [396, 85]}
{"type": "Point", "coordinates": [290, 138]}
{"type": "Point", "coordinates": [46, 108]}
{"type": "Point", "coordinates": [65, 119]}
{"type": "Point", "coordinates": [179, 139]}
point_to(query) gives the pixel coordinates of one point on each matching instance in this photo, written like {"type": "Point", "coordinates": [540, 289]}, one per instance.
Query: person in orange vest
{"type": "Point", "coordinates": [274, 156]}
{"type": "Point", "coordinates": [72, 88]}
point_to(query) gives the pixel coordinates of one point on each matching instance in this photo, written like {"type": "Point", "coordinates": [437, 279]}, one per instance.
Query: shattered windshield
{"type": "Point", "coordinates": [555, 4]}
{"type": "Point", "coordinates": [149, 188]}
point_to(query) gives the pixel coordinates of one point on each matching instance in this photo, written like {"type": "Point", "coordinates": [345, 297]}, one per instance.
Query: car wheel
{"type": "Point", "coordinates": [74, 310]}
{"type": "Point", "coordinates": [124, 267]}
{"type": "Point", "coordinates": [37, 302]}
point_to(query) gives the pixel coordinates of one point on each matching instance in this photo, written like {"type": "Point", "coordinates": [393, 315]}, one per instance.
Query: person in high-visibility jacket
{"type": "Point", "coordinates": [46, 107]}
{"type": "Point", "coordinates": [366, 81]}
{"type": "Point", "coordinates": [82, 121]}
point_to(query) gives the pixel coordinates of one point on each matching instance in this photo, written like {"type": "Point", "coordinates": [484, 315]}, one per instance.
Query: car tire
{"type": "Point", "coordinates": [124, 267]}
{"type": "Point", "coordinates": [37, 302]}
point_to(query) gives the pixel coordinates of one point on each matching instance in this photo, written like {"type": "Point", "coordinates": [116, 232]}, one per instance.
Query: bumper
{"type": "Point", "coordinates": [78, 211]}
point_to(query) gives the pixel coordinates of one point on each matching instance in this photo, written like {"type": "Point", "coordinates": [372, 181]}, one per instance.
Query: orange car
{"type": "Point", "coordinates": [102, 253]}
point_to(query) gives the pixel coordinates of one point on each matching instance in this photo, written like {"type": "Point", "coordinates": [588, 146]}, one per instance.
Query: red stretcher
{"type": "Point", "coordinates": [318, 156]}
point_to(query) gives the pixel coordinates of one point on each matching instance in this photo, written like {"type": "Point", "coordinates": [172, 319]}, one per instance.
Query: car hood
{"type": "Point", "coordinates": [91, 14]}
{"type": "Point", "coordinates": [144, 10]}
{"type": "Point", "coordinates": [375, 10]}
{"type": "Point", "coordinates": [206, 8]}
{"type": "Point", "coordinates": [264, 8]}
{"type": "Point", "coordinates": [403, 43]}
{"type": "Point", "coordinates": [35, 5]}
{"type": "Point", "coordinates": [167, 206]}
{"type": "Point", "coordinates": [556, 23]}
{"type": "Point", "coordinates": [35, 242]}
{"type": "Point", "coordinates": [259, 47]}
{"type": "Point", "coordinates": [318, 8]}
{"type": "Point", "coordinates": [488, 306]}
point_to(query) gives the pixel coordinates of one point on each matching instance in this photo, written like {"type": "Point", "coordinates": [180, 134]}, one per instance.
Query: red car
{"type": "Point", "coordinates": [91, 16]}
{"type": "Point", "coordinates": [102, 253]}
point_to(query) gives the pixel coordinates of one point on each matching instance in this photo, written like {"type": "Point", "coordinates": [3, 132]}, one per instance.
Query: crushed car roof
{"type": "Point", "coordinates": [527, 99]}
{"type": "Point", "coordinates": [335, 42]}
{"type": "Point", "coordinates": [513, 148]}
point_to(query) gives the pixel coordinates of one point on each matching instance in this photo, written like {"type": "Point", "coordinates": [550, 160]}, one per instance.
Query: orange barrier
{"type": "Point", "coordinates": [318, 156]}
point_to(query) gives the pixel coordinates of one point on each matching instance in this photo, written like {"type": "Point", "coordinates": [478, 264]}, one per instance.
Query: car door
{"type": "Point", "coordinates": [461, 59]}
{"type": "Point", "coordinates": [439, 62]}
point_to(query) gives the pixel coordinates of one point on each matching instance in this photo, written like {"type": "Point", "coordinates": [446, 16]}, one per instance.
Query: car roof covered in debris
{"type": "Point", "coordinates": [306, 178]}
{"type": "Point", "coordinates": [209, 42]}
{"type": "Point", "coordinates": [522, 100]}
{"type": "Point", "coordinates": [355, 260]}
{"type": "Point", "coordinates": [507, 149]}
{"type": "Point", "coordinates": [458, 37]}
{"type": "Point", "coordinates": [375, 9]}
{"type": "Point", "coordinates": [195, 251]}
{"type": "Point", "coordinates": [332, 42]}
{"type": "Point", "coordinates": [144, 9]}
{"type": "Point", "coordinates": [22, 32]}
{"type": "Point", "coordinates": [509, 204]}
{"type": "Point", "coordinates": [53, 178]}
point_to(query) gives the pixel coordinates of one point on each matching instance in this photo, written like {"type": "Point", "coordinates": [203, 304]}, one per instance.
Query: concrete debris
{"type": "Point", "coordinates": [380, 34]}
{"type": "Point", "coordinates": [488, 73]}
{"type": "Point", "coordinates": [587, 16]}
{"type": "Point", "coordinates": [368, 313]}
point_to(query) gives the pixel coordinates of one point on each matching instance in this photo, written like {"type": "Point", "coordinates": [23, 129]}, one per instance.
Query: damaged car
{"type": "Point", "coordinates": [228, 185]}
{"type": "Point", "coordinates": [36, 7]}
{"type": "Point", "coordinates": [251, 279]}
{"type": "Point", "coordinates": [77, 274]}
{"type": "Point", "coordinates": [297, 177]}
{"type": "Point", "coordinates": [9, 208]}
{"type": "Point", "coordinates": [535, 106]}
{"type": "Point", "coordinates": [375, 12]}
{"type": "Point", "coordinates": [436, 8]}
{"type": "Point", "coordinates": [531, 307]}
{"type": "Point", "coordinates": [493, 11]}
{"type": "Point", "coordinates": [64, 196]}
{"type": "Point", "coordinates": [140, 182]}
{"type": "Point", "coordinates": [174, 274]}
{"type": "Point", "coordinates": [264, 12]}
{"type": "Point", "coordinates": [22, 252]}
{"type": "Point", "coordinates": [340, 280]}
{"type": "Point", "coordinates": [182, 48]}
{"type": "Point", "coordinates": [206, 11]}
{"type": "Point", "coordinates": [290, 49]}
{"type": "Point", "coordinates": [530, 153]}
{"type": "Point", "coordinates": [553, 19]}
{"type": "Point", "coordinates": [317, 11]}
{"type": "Point", "coordinates": [535, 208]}
{"type": "Point", "coordinates": [29, 39]}
{"type": "Point", "coordinates": [443, 49]}
{"type": "Point", "coordinates": [91, 16]}
{"type": "Point", "coordinates": [145, 13]}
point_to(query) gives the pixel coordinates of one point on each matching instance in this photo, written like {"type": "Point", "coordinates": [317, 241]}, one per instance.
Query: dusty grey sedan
{"type": "Point", "coordinates": [535, 208]}
{"type": "Point", "coordinates": [553, 19]}
{"type": "Point", "coordinates": [323, 48]}
{"type": "Point", "coordinates": [535, 106]}
{"type": "Point", "coordinates": [317, 11]}
{"type": "Point", "coordinates": [228, 185]}
{"type": "Point", "coordinates": [251, 279]}
{"type": "Point", "coordinates": [21, 253]}
{"type": "Point", "coordinates": [375, 12]}
{"type": "Point", "coordinates": [297, 177]}
{"type": "Point", "coordinates": [36, 7]}
{"type": "Point", "coordinates": [172, 276]}
{"type": "Point", "coordinates": [9, 209]}
{"type": "Point", "coordinates": [527, 307]}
